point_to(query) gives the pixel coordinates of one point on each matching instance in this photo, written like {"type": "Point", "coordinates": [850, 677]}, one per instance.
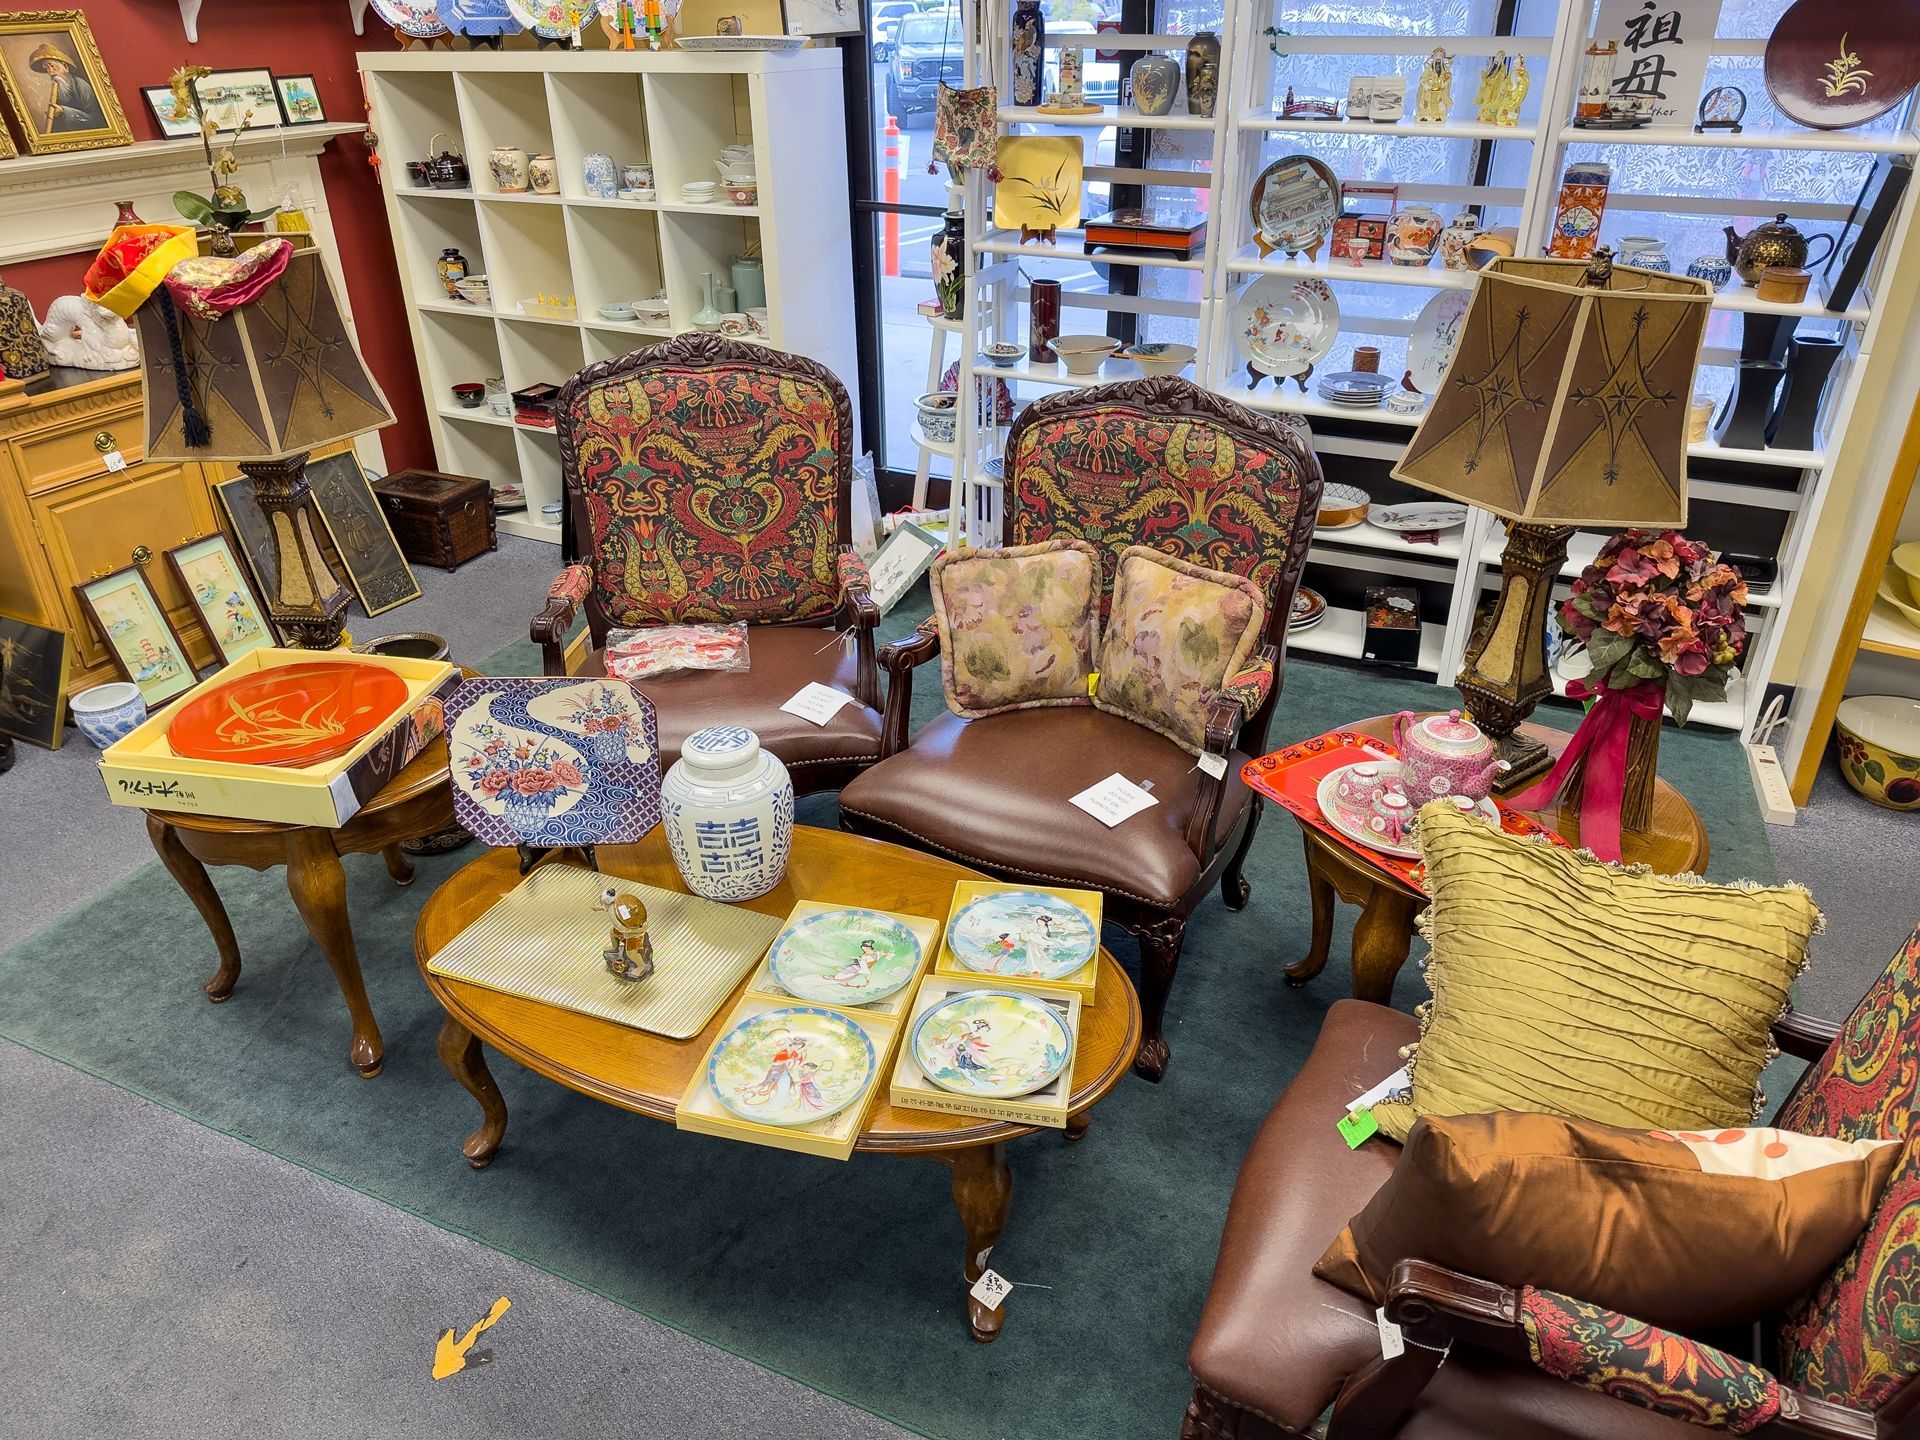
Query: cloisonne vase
{"type": "Point", "coordinates": [1029, 49]}
{"type": "Point", "coordinates": [1203, 73]}
{"type": "Point", "coordinates": [727, 807]}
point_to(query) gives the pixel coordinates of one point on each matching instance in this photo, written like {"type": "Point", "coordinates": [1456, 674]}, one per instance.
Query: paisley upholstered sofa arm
{"type": "Point", "coordinates": [550, 627]}
{"type": "Point", "coordinates": [1602, 1350]}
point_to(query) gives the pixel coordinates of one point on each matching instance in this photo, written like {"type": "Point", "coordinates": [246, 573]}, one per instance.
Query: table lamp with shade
{"type": "Point", "coordinates": [1565, 406]}
{"type": "Point", "coordinates": [263, 384]}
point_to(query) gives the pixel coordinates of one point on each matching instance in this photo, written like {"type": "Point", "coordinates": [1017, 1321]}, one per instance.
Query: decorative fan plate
{"type": "Point", "coordinates": [845, 957]}
{"type": "Point", "coordinates": [1027, 934]}
{"type": "Point", "coordinates": [1295, 201]}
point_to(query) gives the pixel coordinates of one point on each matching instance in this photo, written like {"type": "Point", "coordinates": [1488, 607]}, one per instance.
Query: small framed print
{"type": "Point", "coordinates": [33, 681]}
{"type": "Point", "coordinates": [146, 649]}
{"type": "Point", "coordinates": [230, 612]}
{"type": "Point", "coordinates": [299, 100]}
{"type": "Point", "coordinates": [900, 563]}
{"type": "Point", "coordinates": [230, 97]}
{"type": "Point", "coordinates": [159, 100]}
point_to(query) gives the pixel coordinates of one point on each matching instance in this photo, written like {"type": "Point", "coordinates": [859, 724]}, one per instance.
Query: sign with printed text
{"type": "Point", "coordinates": [1664, 49]}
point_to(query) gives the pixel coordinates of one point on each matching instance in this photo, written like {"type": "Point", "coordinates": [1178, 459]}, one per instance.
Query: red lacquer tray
{"type": "Point", "coordinates": [1292, 777]}
{"type": "Point", "coordinates": [289, 714]}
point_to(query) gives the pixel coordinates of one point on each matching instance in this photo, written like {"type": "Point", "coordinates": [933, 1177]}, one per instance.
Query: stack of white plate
{"type": "Point", "coordinates": [1358, 389]}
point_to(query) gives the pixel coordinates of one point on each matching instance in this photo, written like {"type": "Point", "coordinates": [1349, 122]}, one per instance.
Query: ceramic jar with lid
{"type": "Point", "coordinates": [1716, 270]}
{"type": "Point", "coordinates": [1456, 240]}
{"type": "Point", "coordinates": [1413, 235]}
{"type": "Point", "coordinates": [727, 806]}
{"type": "Point", "coordinates": [1443, 755]}
{"type": "Point", "coordinates": [543, 174]}
{"type": "Point", "coordinates": [508, 163]}
{"type": "Point", "coordinates": [600, 176]}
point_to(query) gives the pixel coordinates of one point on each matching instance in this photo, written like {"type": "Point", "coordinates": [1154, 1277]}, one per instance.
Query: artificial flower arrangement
{"type": "Point", "coordinates": [1662, 622]}
{"type": "Point", "coordinates": [1660, 608]}
{"type": "Point", "coordinates": [226, 209]}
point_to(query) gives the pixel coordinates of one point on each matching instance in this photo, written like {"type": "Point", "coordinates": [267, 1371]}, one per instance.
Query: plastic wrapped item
{"type": "Point", "coordinates": [670, 649]}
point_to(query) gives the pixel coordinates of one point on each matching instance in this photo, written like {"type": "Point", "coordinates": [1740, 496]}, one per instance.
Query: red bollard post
{"type": "Point", "coordinates": [890, 191]}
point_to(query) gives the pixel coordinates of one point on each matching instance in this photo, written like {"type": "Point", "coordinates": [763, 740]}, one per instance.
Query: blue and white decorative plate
{"type": "Point", "coordinates": [554, 19]}
{"type": "Point", "coordinates": [552, 762]}
{"type": "Point", "coordinates": [1025, 933]}
{"type": "Point", "coordinates": [419, 19]}
{"type": "Point", "coordinates": [479, 17]}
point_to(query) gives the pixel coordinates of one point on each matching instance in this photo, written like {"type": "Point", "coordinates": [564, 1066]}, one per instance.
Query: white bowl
{"type": "Point", "coordinates": [1161, 357]}
{"type": "Point", "coordinates": [1083, 354]}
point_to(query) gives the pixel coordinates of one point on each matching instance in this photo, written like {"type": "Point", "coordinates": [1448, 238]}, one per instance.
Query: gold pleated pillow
{"type": "Point", "coordinates": [1592, 991]}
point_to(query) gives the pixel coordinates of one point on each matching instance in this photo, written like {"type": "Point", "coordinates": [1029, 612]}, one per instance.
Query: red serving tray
{"type": "Point", "coordinates": [1292, 777]}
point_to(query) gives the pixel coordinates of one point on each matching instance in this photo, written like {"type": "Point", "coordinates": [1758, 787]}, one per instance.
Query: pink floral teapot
{"type": "Point", "coordinates": [1443, 755]}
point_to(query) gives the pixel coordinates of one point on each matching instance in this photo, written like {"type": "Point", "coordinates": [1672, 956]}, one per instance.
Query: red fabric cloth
{"type": "Point", "coordinates": [1602, 738]}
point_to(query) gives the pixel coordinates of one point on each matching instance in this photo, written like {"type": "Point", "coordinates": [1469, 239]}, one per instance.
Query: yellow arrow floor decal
{"type": "Point", "coordinates": [450, 1355]}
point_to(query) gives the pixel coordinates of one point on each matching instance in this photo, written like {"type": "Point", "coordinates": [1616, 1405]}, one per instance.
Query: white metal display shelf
{"type": "Point", "coordinates": [1883, 142]}
{"type": "Point", "coordinates": [1249, 261]}
{"type": "Point", "coordinates": [1368, 536]}
{"type": "Point", "coordinates": [1439, 130]}
{"type": "Point", "coordinates": [1125, 117]}
{"type": "Point", "coordinates": [1056, 373]}
{"type": "Point", "coordinates": [1344, 633]}
{"type": "Point", "coordinates": [1455, 45]}
{"type": "Point", "coordinates": [998, 243]}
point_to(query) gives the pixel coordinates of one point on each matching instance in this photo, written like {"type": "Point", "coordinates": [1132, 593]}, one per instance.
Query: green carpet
{"type": "Point", "coordinates": [844, 1276]}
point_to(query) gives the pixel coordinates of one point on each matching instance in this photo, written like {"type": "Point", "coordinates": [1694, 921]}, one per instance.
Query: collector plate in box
{"type": "Point", "coordinates": [792, 1066]}
{"type": "Point", "coordinates": [289, 715]}
{"type": "Point", "coordinates": [845, 957]}
{"type": "Point", "coordinates": [991, 1043]}
{"type": "Point", "coordinates": [552, 762]}
{"type": "Point", "coordinates": [1025, 934]}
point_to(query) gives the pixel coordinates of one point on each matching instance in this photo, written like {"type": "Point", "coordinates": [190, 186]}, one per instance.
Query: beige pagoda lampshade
{"type": "Point", "coordinates": [275, 379]}
{"type": "Point", "coordinates": [1566, 403]}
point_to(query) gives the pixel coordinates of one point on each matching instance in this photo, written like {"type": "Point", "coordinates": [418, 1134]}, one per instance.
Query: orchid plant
{"type": "Point", "coordinates": [226, 209]}
{"type": "Point", "coordinates": [1660, 609]}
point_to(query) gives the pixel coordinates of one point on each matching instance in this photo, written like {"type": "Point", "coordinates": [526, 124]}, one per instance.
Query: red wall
{"type": "Point", "coordinates": [142, 42]}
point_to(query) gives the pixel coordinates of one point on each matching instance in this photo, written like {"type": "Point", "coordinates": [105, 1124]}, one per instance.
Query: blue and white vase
{"type": "Point", "coordinates": [107, 713]}
{"type": "Point", "coordinates": [602, 176]}
{"type": "Point", "coordinates": [728, 810]}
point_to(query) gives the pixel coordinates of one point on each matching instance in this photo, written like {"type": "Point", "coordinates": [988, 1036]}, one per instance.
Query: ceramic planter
{"type": "Point", "coordinates": [107, 713]}
{"type": "Point", "coordinates": [728, 811]}
{"type": "Point", "coordinates": [939, 416]}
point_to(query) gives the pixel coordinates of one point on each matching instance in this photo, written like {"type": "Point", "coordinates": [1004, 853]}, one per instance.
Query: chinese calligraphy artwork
{"type": "Point", "coordinates": [1664, 49]}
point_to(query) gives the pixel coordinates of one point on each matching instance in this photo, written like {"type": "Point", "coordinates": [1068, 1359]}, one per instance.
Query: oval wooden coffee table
{"type": "Point", "coordinates": [647, 1074]}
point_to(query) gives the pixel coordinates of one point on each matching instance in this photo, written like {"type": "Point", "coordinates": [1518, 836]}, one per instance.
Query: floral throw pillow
{"type": "Point", "coordinates": [1018, 627]}
{"type": "Point", "coordinates": [1175, 633]}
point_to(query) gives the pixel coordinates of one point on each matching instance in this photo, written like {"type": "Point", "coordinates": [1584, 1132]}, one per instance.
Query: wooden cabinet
{"type": "Point", "coordinates": [65, 517]}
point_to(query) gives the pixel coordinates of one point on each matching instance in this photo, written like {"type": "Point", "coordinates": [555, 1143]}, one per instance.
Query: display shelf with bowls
{"type": "Point", "coordinates": [667, 116]}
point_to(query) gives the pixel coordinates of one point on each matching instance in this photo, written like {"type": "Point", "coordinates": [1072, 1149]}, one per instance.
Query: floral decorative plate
{"type": "Point", "coordinates": [1435, 336]}
{"type": "Point", "coordinates": [792, 1066]}
{"type": "Point", "coordinates": [1295, 201]}
{"type": "Point", "coordinates": [1309, 609]}
{"type": "Point", "coordinates": [289, 714]}
{"type": "Point", "coordinates": [554, 762]}
{"type": "Point", "coordinates": [1285, 327]}
{"type": "Point", "coordinates": [553, 18]}
{"type": "Point", "coordinates": [419, 19]}
{"type": "Point", "coordinates": [1413, 519]}
{"type": "Point", "coordinates": [845, 957]}
{"type": "Point", "coordinates": [1355, 830]}
{"type": "Point", "coordinates": [991, 1043]}
{"type": "Point", "coordinates": [1024, 933]}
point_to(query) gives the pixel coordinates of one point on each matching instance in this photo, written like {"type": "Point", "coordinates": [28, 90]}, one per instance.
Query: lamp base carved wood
{"type": "Point", "coordinates": [1506, 669]}
{"type": "Point", "coordinates": [308, 602]}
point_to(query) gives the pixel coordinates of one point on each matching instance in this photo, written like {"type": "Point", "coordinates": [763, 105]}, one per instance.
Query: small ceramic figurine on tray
{"type": "Point", "coordinates": [629, 952]}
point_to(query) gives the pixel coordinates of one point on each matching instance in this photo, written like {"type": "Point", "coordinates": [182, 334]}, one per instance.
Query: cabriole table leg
{"type": "Point", "coordinates": [460, 1052]}
{"type": "Point", "coordinates": [319, 889]}
{"type": "Point", "coordinates": [192, 877]}
{"type": "Point", "coordinates": [983, 1191]}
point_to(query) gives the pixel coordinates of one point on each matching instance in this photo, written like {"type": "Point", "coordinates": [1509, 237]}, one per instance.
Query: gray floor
{"type": "Point", "coordinates": [167, 1281]}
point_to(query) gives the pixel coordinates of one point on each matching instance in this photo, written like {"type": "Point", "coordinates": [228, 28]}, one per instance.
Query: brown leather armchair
{"type": "Point", "coordinates": [1148, 462]}
{"type": "Point", "coordinates": [712, 480]}
{"type": "Point", "coordinates": [1277, 1346]}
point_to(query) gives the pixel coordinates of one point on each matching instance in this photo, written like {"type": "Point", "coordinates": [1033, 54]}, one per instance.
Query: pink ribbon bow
{"type": "Point", "coordinates": [1602, 738]}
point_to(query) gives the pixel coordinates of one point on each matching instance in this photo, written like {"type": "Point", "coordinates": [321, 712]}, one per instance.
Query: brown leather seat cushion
{"type": "Point", "coordinates": [1276, 1340]}
{"type": "Point", "coordinates": [994, 791]}
{"type": "Point", "coordinates": [782, 658]}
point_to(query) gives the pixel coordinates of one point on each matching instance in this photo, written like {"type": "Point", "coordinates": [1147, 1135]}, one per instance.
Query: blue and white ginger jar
{"type": "Point", "coordinates": [601, 175]}
{"type": "Point", "coordinates": [728, 810]}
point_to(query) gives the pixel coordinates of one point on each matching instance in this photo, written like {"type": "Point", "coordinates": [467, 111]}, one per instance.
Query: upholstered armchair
{"type": "Point", "coordinates": [1160, 463]}
{"type": "Point", "coordinates": [710, 481]}
{"type": "Point", "coordinates": [1277, 1346]}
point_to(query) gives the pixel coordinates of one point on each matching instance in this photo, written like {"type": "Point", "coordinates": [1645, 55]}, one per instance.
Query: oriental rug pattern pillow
{"type": "Point", "coordinates": [1017, 626]}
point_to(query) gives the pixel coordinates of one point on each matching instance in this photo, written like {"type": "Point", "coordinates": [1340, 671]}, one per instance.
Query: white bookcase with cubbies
{"type": "Point", "coordinates": [1763, 502]}
{"type": "Point", "coordinates": [569, 254]}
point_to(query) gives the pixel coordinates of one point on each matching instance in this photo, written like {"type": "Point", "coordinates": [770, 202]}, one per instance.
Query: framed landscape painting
{"type": "Point", "coordinates": [299, 100]}
{"type": "Point", "coordinates": [56, 84]}
{"type": "Point", "coordinates": [33, 681]}
{"type": "Point", "coordinates": [146, 649]}
{"type": "Point", "coordinates": [159, 100]}
{"type": "Point", "coordinates": [231, 614]}
{"type": "Point", "coordinates": [228, 97]}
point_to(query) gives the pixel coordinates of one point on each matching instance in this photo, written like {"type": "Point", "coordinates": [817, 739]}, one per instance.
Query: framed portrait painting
{"type": "Point", "coordinates": [56, 84]}
{"type": "Point", "coordinates": [361, 536]}
{"type": "Point", "coordinates": [229, 610]}
{"type": "Point", "coordinates": [159, 100]}
{"type": "Point", "coordinates": [231, 97]}
{"type": "Point", "coordinates": [146, 649]}
{"type": "Point", "coordinates": [299, 100]}
{"type": "Point", "coordinates": [33, 681]}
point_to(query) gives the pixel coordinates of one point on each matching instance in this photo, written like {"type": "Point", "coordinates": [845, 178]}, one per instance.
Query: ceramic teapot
{"type": "Point", "coordinates": [445, 170]}
{"type": "Point", "coordinates": [1776, 242]}
{"type": "Point", "coordinates": [1413, 234]}
{"type": "Point", "coordinates": [1444, 755]}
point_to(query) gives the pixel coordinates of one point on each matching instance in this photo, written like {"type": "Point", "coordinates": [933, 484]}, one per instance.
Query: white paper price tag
{"type": "Point", "coordinates": [115, 460]}
{"type": "Point", "coordinates": [1392, 1345]}
{"type": "Point", "coordinates": [1114, 799]}
{"type": "Point", "coordinates": [1214, 765]}
{"type": "Point", "coordinates": [816, 702]}
{"type": "Point", "coordinates": [1398, 1080]}
{"type": "Point", "coordinates": [990, 1289]}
